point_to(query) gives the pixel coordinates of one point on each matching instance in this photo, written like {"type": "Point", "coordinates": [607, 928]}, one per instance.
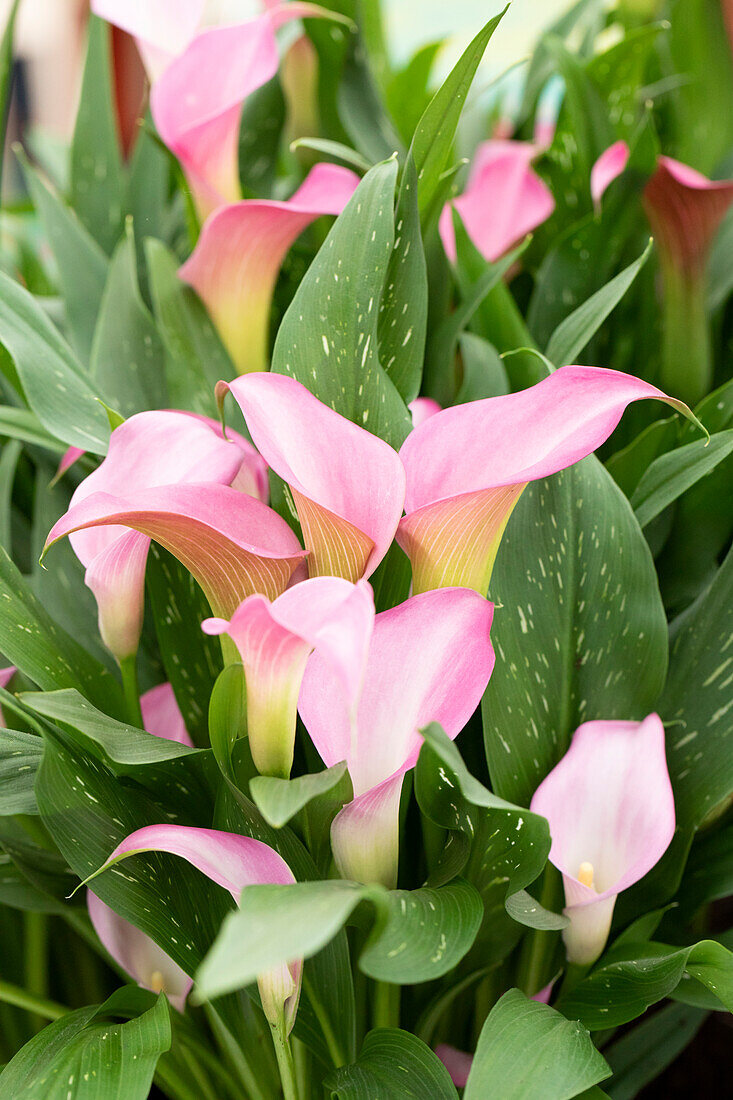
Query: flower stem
{"type": "Point", "coordinates": [13, 995]}
{"type": "Point", "coordinates": [128, 668]}
{"type": "Point", "coordinates": [386, 1007]}
{"type": "Point", "coordinates": [36, 959]}
{"type": "Point", "coordinates": [687, 367]}
{"type": "Point", "coordinates": [285, 1062]}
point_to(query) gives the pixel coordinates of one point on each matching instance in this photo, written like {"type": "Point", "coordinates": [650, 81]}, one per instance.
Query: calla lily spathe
{"type": "Point", "coordinates": [325, 614]}
{"type": "Point", "coordinates": [504, 199]}
{"type": "Point", "coordinates": [168, 476]}
{"type": "Point", "coordinates": [607, 168]}
{"type": "Point", "coordinates": [422, 408]}
{"type": "Point", "coordinates": [235, 263]}
{"type": "Point", "coordinates": [430, 659]}
{"type": "Point", "coordinates": [348, 486]}
{"type": "Point", "coordinates": [232, 862]}
{"type": "Point", "coordinates": [610, 808]}
{"type": "Point", "coordinates": [467, 466]}
{"type": "Point", "coordinates": [161, 715]}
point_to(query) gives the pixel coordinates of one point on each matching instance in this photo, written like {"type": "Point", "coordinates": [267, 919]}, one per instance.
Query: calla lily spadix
{"type": "Point", "coordinates": [167, 476]}
{"type": "Point", "coordinates": [467, 466]}
{"type": "Point", "coordinates": [348, 486]}
{"type": "Point", "coordinates": [504, 199]}
{"type": "Point", "coordinates": [430, 659]}
{"type": "Point", "coordinates": [325, 614]}
{"type": "Point", "coordinates": [232, 862]}
{"type": "Point", "coordinates": [610, 808]}
{"type": "Point", "coordinates": [235, 263]}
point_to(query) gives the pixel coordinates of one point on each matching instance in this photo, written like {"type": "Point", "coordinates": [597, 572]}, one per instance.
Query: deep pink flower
{"type": "Point", "coordinates": [467, 466]}
{"type": "Point", "coordinates": [232, 862]}
{"type": "Point", "coordinates": [429, 660]}
{"type": "Point", "coordinates": [504, 199]}
{"type": "Point", "coordinates": [422, 408]}
{"type": "Point", "coordinates": [348, 485]}
{"type": "Point", "coordinates": [167, 476]}
{"type": "Point", "coordinates": [236, 261]}
{"type": "Point", "coordinates": [274, 640]}
{"type": "Point", "coordinates": [610, 807]}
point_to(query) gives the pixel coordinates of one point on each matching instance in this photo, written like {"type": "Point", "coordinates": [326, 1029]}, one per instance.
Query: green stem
{"type": "Point", "coordinates": [13, 995]}
{"type": "Point", "coordinates": [386, 1007]}
{"type": "Point", "coordinates": [573, 977]}
{"type": "Point", "coordinates": [36, 958]}
{"type": "Point", "coordinates": [128, 668]}
{"type": "Point", "coordinates": [687, 369]}
{"type": "Point", "coordinates": [285, 1063]}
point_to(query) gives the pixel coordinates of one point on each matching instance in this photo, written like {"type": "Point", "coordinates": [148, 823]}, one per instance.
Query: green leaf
{"type": "Point", "coordinates": [581, 633]}
{"type": "Point", "coordinates": [333, 318]}
{"type": "Point", "coordinates": [334, 150]}
{"type": "Point", "coordinates": [97, 176]}
{"type": "Point", "coordinates": [484, 373]}
{"type": "Point", "coordinates": [572, 334]}
{"type": "Point", "coordinates": [6, 73]}
{"type": "Point", "coordinates": [280, 799]}
{"type": "Point", "coordinates": [82, 265]}
{"type": "Point", "coordinates": [20, 756]}
{"type": "Point", "coordinates": [433, 137]}
{"type": "Point", "coordinates": [403, 314]}
{"type": "Point", "coordinates": [392, 1063]}
{"type": "Point", "coordinates": [53, 384]}
{"type": "Point", "coordinates": [632, 977]}
{"type": "Point", "coordinates": [191, 659]}
{"type": "Point", "coordinates": [532, 1053]}
{"type": "Point", "coordinates": [24, 425]}
{"type": "Point", "coordinates": [85, 1056]}
{"type": "Point", "coordinates": [30, 639]}
{"type": "Point", "coordinates": [198, 357]}
{"type": "Point", "coordinates": [112, 742]}
{"type": "Point", "coordinates": [418, 935]}
{"type": "Point", "coordinates": [627, 467]}
{"type": "Point", "coordinates": [672, 474]}
{"type": "Point", "coordinates": [260, 131]}
{"type": "Point", "coordinates": [407, 93]}
{"type": "Point", "coordinates": [509, 844]}
{"type": "Point", "coordinates": [127, 356]}
{"type": "Point", "coordinates": [698, 706]}
{"type": "Point", "coordinates": [9, 457]}
{"type": "Point", "coordinates": [644, 1052]}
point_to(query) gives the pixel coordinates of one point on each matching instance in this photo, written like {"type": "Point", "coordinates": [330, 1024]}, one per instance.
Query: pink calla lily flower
{"type": "Point", "coordinates": [504, 199]}
{"type": "Point", "coordinates": [325, 614]}
{"type": "Point", "coordinates": [162, 28]}
{"type": "Point", "coordinates": [161, 715]}
{"type": "Point", "coordinates": [430, 659]}
{"type": "Point", "coordinates": [457, 1062]}
{"type": "Point", "coordinates": [167, 476]}
{"type": "Point", "coordinates": [457, 510]}
{"type": "Point", "coordinates": [607, 168]}
{"type": "Point", "coordinates": [232, 862]}
{"type": "Point", "coordinates": [422, 408]}
{"type": "Point", "coordinates": [236, 261]}
{"type": "Point", "coordinates": [348, 485]}
{"type": "Point", "coordinates": [610, 808]}
{"type": "Point", "coordinates": [197, 101]}
{"type": "Point", "coordinates": [139, 955]}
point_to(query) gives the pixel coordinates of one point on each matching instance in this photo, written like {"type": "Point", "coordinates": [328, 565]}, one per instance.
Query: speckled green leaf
{"type": "Point", "coordinates": [84, 1056]}
{"type": "Point", "coordinates": [418, 935]}
{"type": "Point", "coordinates": [97, 177]}
{"type": "Point", "coordinates": [127, 357]}
{"type": "Point", "coordinates": [528, 1051]}
{"type": "Point", "coordinates": [672, 474]}
{"type": "Point", "coordinates": [280, 799]}
{"type": "Point", "coordinates": [31, 640]}
{"type": "Point", "coordinates": [20, 755]}
{"type": "Point", "coordinates": [328, 337]}
{"type": "Point", "coordinates": [630, 978]}
{"type": "Point", "coordinates": [580, 630]}
{"type": "Point", "coordinates": [52, 382]}
{"type": "Point", "coordinates": [698, 703]}
{"type": "Point", "coordinates": [392, 1063]}
{"type": "Point", "coordinates": [82, 265]}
